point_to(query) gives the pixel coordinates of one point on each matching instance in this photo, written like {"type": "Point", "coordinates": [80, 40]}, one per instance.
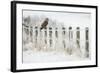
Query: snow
{"type": "Point", "coordinates": [31, 56]}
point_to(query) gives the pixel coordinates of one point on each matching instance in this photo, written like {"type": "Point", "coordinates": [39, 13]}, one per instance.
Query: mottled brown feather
{"type": "Point", "coordinates": [44, 24]}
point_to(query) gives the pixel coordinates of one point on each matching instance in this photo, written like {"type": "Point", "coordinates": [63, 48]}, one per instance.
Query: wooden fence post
{"type": "Point", "coordinates": [87, 41]}
{"type": "Point", "coordinates": [70, 40]}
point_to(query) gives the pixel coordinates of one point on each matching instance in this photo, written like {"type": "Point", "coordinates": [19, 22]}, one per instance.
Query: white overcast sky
{"type": "Point", "coordinates": [68, 18]}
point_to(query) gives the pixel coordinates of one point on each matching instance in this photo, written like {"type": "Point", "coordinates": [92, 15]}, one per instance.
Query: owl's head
{"type": "Point", "coordinates": [47, 19]}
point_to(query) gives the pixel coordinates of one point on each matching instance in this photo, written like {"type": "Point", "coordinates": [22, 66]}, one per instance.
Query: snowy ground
{"type": "Point", "coordinates": [44, 57]}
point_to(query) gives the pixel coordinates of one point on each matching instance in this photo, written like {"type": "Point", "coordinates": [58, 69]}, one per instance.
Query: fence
{"type": "Point", "coordinates": [65, 39]}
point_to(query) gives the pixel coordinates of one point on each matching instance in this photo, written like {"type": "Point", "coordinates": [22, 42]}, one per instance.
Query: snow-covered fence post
{"type": "Point", "coordinates": [45, 39]}
{"type": "Point", "coordinates": [50, 37]}
{"type": "Point", "coordinates": [56, 38]}
{"type": "Point", "coordinates": [78, 37]}
{"type": "Point", "coordinates": [31, 34]}
{"type": "Point", "coordinates": [70, 40]}
{"type": "Point", "coordinates": [63, 37]}
{"type": "Point", "coordinates": [87, 41]}
{"type": "Point", "coordinates": [27, 34]}
{"type": "Point", "coordinates": [36, 34]}
{"type": "Point", "coordinates": [79, 40]}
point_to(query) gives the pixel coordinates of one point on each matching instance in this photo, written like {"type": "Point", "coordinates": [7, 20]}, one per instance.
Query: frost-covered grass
{"type": "Point", "coordinates": [31, 56]}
